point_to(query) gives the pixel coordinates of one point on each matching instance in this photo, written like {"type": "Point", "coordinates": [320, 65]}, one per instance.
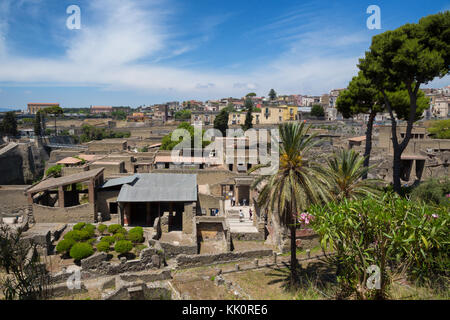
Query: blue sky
{"type": "Point", "coordinates": [137, 52]}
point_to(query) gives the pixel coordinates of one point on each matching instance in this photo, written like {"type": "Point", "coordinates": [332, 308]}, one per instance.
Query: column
{"type": "Point", "coordinates": [91, 191]}
{"type": "Point", "coordinates": [61, 196]}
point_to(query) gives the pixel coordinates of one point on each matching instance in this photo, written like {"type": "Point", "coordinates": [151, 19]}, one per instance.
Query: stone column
{"type": "Point", "coordinates": [91, 191]}
{"type": "Point", "coordinates": [61, 196]}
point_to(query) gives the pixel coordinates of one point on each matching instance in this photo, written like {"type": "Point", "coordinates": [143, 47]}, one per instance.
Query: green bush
{"type": "Point", "coordinates": [119, 236]}
{"type": "Point", "coordinates": [135, 237]}
{"type": "Point", "coordinates": [77, 235]}
{"type": "Point", "coordinates": [137, 229]}
{"type": "Point", "coordinates": [136, 234]}
{"type": "Point", "coordinates": [123, 246]}
{"type": "Point", "coordinates": [101, 228]}
{"type": "Point", "coordinates": [81, 250]}
{"type": "Point", "coordinates": [108, 239]}
{"type": "Point", "coordinates": [65, 245]}
{"type": "Point", "coordinates": [56, 170]}
{"type": "Point", "coordinates": [103, 246]}
{"type": "Point", "coordinates": [90, 229]}
{"type": "Point", "coordinates": [79, 226]}
{"type": "Point", "coordinates": [433, 191]}
{"type": "Point", "coordinates": [391, 233]}
{"type": "Point", "coordinates": [91, 240]}
{"type": "Point", "coordinates": [114, 228]}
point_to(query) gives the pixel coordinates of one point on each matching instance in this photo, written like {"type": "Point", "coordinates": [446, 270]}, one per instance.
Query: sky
{"type": "Point", "coordinates": [139, 52]}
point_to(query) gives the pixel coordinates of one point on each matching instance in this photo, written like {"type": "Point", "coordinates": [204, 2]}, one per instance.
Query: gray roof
{"type": "Point", "coordinates": [160, 187]}
{"type": "Point", "coordinates": [120, 181]}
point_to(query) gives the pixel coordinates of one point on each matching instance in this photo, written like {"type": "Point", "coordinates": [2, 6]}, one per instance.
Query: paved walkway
{"type": "Point", "coordinates": [232, 217]}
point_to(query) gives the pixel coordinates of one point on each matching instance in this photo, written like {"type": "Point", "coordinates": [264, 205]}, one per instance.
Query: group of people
{"type": "Point", "coordinates": [241, 214]}
{"type": "Point", "coordinates": [233, 201]}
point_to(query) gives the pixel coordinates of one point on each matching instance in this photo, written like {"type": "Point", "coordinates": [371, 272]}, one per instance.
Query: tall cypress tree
{"type": "Point", "coordinates": [248, 117]}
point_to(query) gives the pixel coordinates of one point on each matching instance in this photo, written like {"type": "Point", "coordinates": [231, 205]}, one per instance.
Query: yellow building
{"type": "Point", "coordinates": [289, 113]}
{"type": "Point", "coordinates": [267, 115]}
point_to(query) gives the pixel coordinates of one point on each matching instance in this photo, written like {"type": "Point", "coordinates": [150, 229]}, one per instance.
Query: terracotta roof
{"type": "Point", "coordinates": [89, 157]}
{"type": "Point", "coordinates": [69, 160]}
{"type": "Point", "coordinates": [357, 139]}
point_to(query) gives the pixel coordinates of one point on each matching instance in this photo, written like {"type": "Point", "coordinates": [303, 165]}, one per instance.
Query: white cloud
{"type": "Point", "coordinates": [122, 49]}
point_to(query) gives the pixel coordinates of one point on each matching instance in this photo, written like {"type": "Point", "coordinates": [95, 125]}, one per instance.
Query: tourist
{"type": "Point", "coordinates": [250, 213]}
{"type": "Point", "coordinates": [241, 216]}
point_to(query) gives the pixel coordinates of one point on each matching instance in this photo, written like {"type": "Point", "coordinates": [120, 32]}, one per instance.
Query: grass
{"type": "Point", "coordinates": [302, 252]}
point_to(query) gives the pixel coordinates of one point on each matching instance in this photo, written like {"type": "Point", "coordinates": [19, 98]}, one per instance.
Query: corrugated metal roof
{"type": "Point", "coordinates": [160, 187]}
{"type": "Point", "coordinates": [120, 181]}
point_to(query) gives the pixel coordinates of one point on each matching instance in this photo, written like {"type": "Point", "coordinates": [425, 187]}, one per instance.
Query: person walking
{"type": "Point", "coordinates": [241, 216]}
{"type": "Point", "coordinates": [250, 213]}
{"type": "Point", "coordinates": [233, 201]}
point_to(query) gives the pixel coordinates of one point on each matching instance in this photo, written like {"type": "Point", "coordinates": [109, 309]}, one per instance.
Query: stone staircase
{"type": "Point", "coordinates": [233, 220]}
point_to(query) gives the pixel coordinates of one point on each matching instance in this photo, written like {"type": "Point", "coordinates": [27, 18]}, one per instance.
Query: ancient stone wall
{"type": "Point", "coordinates": [82, 213]}
{"type": "Point", "coordinates": [209, 259]}
{"type": "Point", "coordinates": [13, 200]}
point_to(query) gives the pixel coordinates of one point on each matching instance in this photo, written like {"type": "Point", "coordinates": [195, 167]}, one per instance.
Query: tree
{"type": "Point", "coordinates": [363, 97]}
{"type": "Point", "coordinates": [251, 94]}
{"type": "Point", "coordinates": [26, 276]}
{"type": "Point", "coordinates": [183, 115]}
{"type": "Point", "coordinates": [440, 129]}
{"type": "Point", "coordinates": [248, 117]}
{"type": "Point", "coordinates": [55, 111]}
{"type": "Point", "coordinates": [168, 144]}
{"type": "Point", "coordinates": [409, 56]}
{"type": "Point", "coordinates": [345, 174]}
{"type": "Point", "coordinates": [317, 111]}
{"type": "Point", "coordinates": [221, 122]}
{"type": "Point", "coordinates": [296, 185]}
{"type": "Point", "coordinates": [272, 94]}
{"type": "Point", "coordinates": [37, 124]}
{"type": "Point", "coordinates": [119, 114]}
{"type": "Point", "coordinates": [9, 124]}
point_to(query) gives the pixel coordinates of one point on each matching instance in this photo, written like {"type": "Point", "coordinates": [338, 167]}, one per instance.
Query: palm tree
{"type": "Point", "coordinates": [296, 185]}
{"type": "Point", "coordinates": [345, 174]}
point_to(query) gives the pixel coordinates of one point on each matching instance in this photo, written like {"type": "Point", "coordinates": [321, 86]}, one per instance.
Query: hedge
{"type": "Point", "coordinates": [103, 246]}
{"type": "Point", "coordinates": [81, 250]}
{"type": "Point", "coordinates": [65, 245]}
{"type": "Point", "coordinates": [123, 246]}
{"type": "Point", "coordinates": [108, 239]}
{"type": "Point", "coordinates": [79, 226]}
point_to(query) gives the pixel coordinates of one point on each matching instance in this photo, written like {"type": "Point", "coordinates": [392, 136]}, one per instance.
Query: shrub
{"type": "Point", "coordinates": [114, 228]}
{"type": "Point", "coordinates": [135, 237]}
{"type": "Point", "coordinates": [391, 233]}
{"type": "Point", "coordinates": [119, 236]}
{"type": "Point", "coordinates": [136, 234]}
{"type": "Point", "coordinates": [123, 246]}
{"type": "Point", "coordinates": [77, 235]}
{"type": "Point", "coordinates": [91, 240]}
{"type": "Point", "coordinates": [81, 250]}
{"type": "Point", "coordinates": [101, 228]}
{"type": "Point", "coordinates": [90, 229]}
{"type": "Point", "coordinates": [137, 229]}
{"type": "Point", "coordinates": [65, 245]}
{"type": "Point", "coordinates": [108, 239]}
{"type": "Point", "coordinates": [79, 226]}
{"type": "Point", "coordinates": [56, 170]}
{"type": "Point", "coordinates": [103, 246]}
{"type": "Point", "coordinates": [432, 191]}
